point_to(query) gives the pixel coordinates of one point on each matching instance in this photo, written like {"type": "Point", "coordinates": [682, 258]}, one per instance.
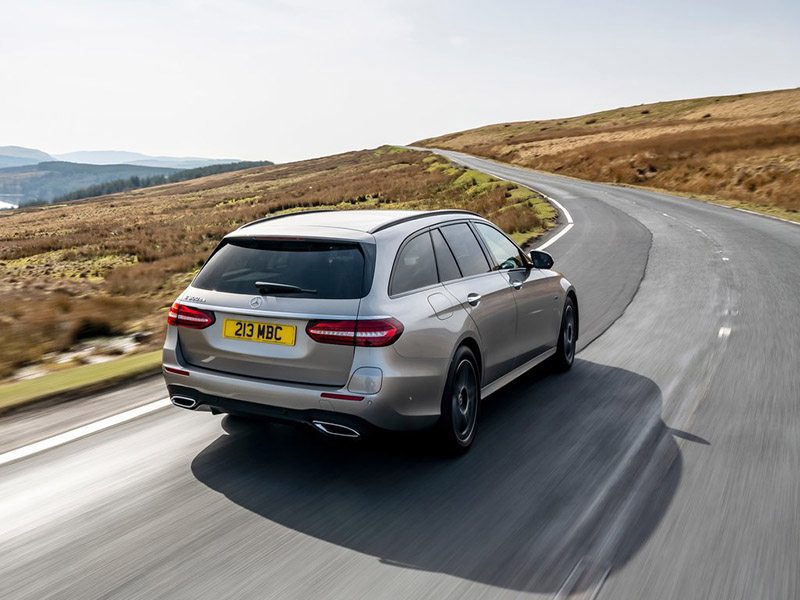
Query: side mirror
{"type": "Point", "coordinates": [541, 260]}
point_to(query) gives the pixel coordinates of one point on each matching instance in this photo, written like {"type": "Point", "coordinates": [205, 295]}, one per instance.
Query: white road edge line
{"type": "Point", "coordinates": [556, 237]}
{"type": "Point", "coordinates": [82, 431]}
{"type": "Point", "coordinates": [578, 571]}
{"type": "Point", "coordinates": [569, 583]}
{"type": "Point", "coordinates": [570, 223]}
{"type": "Point", "coordinates": [558, 205]}
{"type": "Point", "coordinates": [752, 212]}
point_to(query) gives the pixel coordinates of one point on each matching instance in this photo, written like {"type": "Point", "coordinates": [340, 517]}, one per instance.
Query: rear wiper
{"type": "Point", "coordinates": [269, 287]}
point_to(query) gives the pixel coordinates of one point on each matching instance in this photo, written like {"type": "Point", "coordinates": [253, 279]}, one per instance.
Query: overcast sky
{"type": "Point", "coordinates": [291, 80]}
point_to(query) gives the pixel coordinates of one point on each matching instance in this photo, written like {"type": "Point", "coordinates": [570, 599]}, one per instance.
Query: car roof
{"type": "Point", "coordinates": [347, 224]}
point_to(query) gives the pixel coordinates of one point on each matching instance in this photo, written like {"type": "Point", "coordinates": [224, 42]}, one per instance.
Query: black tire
{"type": "Point", "coordinates": [567, 337]}
{"type": "Point", "coordinates": [460, 403]}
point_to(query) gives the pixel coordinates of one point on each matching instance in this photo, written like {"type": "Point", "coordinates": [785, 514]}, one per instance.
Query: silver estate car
{"type": "Point", "coordinates": [351, 321]}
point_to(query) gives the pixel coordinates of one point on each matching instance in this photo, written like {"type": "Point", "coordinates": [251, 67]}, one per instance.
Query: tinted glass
{"type": "Point", "coordinates": [466, 249]}
{"type": "Point", "coordinates": [415, 266]}
{"type": "Point", "coordinates": [334, 270]}
{"type": "Point", "coordinates": [504, 251]}
{"type": "Point", "coordinates": [448, 269]}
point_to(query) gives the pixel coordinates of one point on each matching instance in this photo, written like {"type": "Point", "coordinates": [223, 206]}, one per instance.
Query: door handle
{"type": "Point", "coordinates": [516, 284]}
{"type": "Point", "coordinates": [474, 299]}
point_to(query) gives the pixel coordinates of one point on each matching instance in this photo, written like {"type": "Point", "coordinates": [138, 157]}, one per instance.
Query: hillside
{"type": "Point", "coordinates": [743, 150]}
{"type": "Point", "coordinates": [17, 156]}
{"type": "Point", "coordinates": [43, 182]}
{"type": "Point", "coordinates": [117, 262]}
{"type": "Point", "coordinates": [136, 182]}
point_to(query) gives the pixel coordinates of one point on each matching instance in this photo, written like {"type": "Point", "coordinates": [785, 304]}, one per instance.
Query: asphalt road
{"type": "Point", "coordinates": [666, 464]}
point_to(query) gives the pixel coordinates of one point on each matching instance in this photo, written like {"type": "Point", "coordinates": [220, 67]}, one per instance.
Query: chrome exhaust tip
{"type": "Point", "coordinates": [184, 402]}
{"type": "Point", "coordinates": [335, 429]}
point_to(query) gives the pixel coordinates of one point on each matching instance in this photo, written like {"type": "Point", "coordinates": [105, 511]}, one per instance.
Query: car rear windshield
{"type": "Point", "coordinates": [323, 269]}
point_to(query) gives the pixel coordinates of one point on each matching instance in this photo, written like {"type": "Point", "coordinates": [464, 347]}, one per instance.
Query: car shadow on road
{"type": "Point", "coordinates": [556, 458]}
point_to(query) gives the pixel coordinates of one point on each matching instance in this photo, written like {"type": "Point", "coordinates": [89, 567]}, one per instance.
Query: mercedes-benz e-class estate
{"type": "Point", "coordinates": [350, 321]}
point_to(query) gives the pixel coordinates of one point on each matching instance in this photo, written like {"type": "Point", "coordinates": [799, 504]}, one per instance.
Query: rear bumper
{"type": "Point", "coordinates": [409, 398]}
{"type": "Point", "coordinates": [313, 417]}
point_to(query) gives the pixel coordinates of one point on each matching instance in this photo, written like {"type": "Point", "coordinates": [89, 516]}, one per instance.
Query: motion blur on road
{"type": "Point", "coordinates": [664, 465]}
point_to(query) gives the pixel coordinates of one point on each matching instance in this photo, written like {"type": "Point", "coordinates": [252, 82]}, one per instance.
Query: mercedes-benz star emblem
{"type": "Point", "coordinates": [256, 301]}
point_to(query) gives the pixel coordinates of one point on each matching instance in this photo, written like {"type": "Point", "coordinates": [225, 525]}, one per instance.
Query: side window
{"type": "Point", "coordinates": [415, 266]}
{"type": "Point", "coordinates": [504, 251]}
{"type": "Point", "coordinates": [448, 269]}
{"type": "Point", "coordinates": [466, 249]}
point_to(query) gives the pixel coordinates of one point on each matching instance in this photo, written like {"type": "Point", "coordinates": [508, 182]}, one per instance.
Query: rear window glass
{"type": "Point", "coordinates": [466, 249]}
{"type": "Point", "coordinates": [331, 270]}
{"type": "Point", "coordinates": [415, 267]}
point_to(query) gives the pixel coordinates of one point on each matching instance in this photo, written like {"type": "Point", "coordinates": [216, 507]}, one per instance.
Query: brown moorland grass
{"type": "Point", "coordinates": [113, 265]}
{"type": "Point", "coordinates": [743, 150]}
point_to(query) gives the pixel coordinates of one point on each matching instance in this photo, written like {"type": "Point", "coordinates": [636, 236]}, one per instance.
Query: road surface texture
{"type": "Point", "coordinates": [666, 464]}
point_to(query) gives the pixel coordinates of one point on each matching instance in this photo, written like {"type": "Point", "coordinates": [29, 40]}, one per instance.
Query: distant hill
{"type": "Point", "coordinates": [30, 176]}
{"type": "Point", "coordinates": [17, 156]}
{"type": "Point", "coordinates": [118, 157]}
{"type": "Point", "coordinates": [137, 181]}
{"type": "Point", "coordinates": [101, 157]}
{"type": "Point", "coordinates": [743, 150]}
{"type": "Point", "coordinates": [184, 163]}
{"type": "Point", "coordinates": [43, 182]}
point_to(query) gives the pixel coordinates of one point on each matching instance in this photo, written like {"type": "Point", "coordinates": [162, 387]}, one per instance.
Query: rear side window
{"type": "Point", "coordinates": [415, 266]}
{"type": "Point", "coordinates": [466, 249]}
{"type": "Point", "coordinates": [504, 251]}
{"type": "Point", "coordinates": [448, 269]}
{"type": "Point", "coordinates": [328, 270]}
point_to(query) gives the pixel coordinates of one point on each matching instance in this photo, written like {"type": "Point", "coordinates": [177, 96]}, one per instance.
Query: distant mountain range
{"type": "Point", "coordinates": [17, 156]}
{"type": "Point", "coordinates": [120, 157]}
{"type": "Point", "coordinates": [30, 176]}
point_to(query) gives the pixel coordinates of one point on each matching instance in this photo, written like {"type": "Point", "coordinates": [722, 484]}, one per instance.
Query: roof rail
{"type": "Point", "coordinates": [290, 214]}
{"type": "Point", "coordinates": [422, 215]}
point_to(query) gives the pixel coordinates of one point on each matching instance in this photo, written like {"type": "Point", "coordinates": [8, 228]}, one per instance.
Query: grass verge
{"type": "Point", "coordinates": [86, 377]}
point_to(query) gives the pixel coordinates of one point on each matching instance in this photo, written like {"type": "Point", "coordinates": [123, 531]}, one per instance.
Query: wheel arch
{"type": "Point", "coordinates": [471, 343]}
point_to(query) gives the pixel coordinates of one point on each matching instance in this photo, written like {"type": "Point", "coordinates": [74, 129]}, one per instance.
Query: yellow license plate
{"type": "Point", "coordinates": [251, 331]}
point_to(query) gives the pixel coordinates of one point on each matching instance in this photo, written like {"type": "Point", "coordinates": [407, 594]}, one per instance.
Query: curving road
{"type": "Point", "coordinates": [666, 464]}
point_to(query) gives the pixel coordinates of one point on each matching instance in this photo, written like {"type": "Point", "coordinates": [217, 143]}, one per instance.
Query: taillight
{"type": "Point", "coordinates": [186, 316]}
{"type": "Point", "coordinates": [363, 332]}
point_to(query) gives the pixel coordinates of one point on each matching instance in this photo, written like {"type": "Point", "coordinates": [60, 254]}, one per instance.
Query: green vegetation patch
{"type": "Point", "coordinates": [86, 376]}
{"type": "Point", "coordinates": [383, 150]}
{"type": "Point", "coordinates": [235, 201]}
{"type": "Point", "coordinates": [470, 178]}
